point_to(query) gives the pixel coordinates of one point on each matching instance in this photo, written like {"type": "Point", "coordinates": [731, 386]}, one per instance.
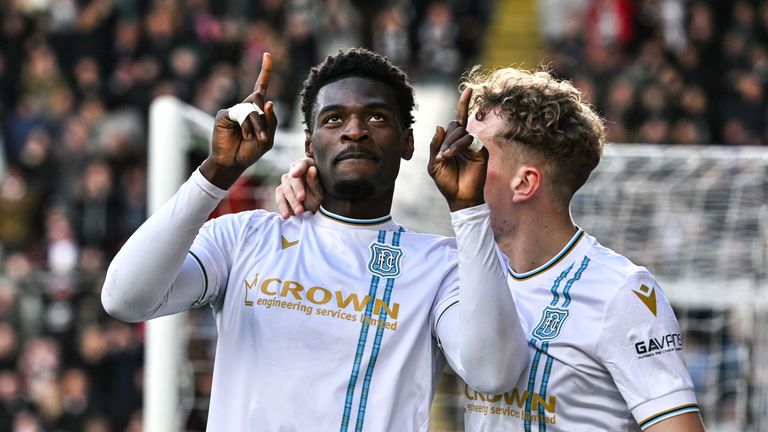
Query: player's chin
{"type": "Point", "coordinates": [354, 188]}
{"type": "Point", "coordinates": [357, 169]}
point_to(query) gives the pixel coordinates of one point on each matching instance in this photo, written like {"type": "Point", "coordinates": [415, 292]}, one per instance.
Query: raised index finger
{"type": "Point", "coordinates": [462, 112]}
{"type": "Point", "coordinates": [262, 82]}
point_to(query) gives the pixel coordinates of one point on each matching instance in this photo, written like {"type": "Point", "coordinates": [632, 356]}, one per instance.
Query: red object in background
{"type": "Point", "coordinates": [241, 197]}
{"type": "Point", "coordinates": [609, 22]}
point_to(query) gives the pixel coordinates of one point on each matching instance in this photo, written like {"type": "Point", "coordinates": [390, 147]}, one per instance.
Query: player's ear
{"type": "Point", "coordinates": [308, 150]}
{"type": "Point", "coordinates": [408, 144]}
{"type": "Point", "coordinates": [525, 183]}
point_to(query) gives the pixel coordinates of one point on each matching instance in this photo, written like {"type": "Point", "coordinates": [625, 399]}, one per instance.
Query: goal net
{"type": "Point", "coordinates": [695, 216]}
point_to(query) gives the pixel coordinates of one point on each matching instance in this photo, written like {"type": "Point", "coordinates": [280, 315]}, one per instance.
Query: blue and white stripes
{"type": "Point", "coordinates": [542, 350]}
{"type": "Point", "coordinates": [366, 386]}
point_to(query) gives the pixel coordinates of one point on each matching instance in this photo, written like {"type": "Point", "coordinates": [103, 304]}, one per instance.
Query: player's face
{"type": "Point", "coordinates": [501, 168]}
{"type": "Point", "coordinates": [358, 140]}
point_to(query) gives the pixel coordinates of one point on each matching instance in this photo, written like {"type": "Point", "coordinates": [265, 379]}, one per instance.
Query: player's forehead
{"type": "Point", "coordinates": [492, 125]}
{"type": "Point", "coordinates": [355, 93]}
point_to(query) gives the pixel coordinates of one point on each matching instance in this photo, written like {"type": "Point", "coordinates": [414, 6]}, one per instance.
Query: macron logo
{"type": "Point", "coordinates": [648, 297]}
{"type": "Point", "coordinates": [286, 244]}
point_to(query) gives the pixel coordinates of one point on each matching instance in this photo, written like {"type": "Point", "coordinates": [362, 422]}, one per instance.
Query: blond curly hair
{"type": "Point", "coordinates": [547, 121]}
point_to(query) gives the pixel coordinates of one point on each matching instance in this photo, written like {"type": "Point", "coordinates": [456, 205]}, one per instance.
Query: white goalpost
{"type": "Point", "coordinates": [696, 216]}
{"type": "Point", "coordinates": [170, 124]}
{"type": "Point", "coordinates": [173, 127]}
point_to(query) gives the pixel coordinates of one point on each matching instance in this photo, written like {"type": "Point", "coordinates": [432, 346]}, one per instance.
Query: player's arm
{"type": "Point", "coordinates": [641, 346]}
{"type": "Point", "coordinates": [481, 335]}
{"type": "Point", "coordinates": [155, 273]}
{"type": "Point", "coordinates": [479, 330]}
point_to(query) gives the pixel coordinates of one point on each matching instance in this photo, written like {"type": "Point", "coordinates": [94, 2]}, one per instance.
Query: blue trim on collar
{"type": "Point", "coordinates": [551, 263]}
{"type": "Point", "coordinates": [353, 221]}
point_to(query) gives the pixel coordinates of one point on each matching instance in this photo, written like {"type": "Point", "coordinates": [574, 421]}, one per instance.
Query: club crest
{"type": "Point", "coordinates": [385, 260]}
{"type": "Point", "coordinates": [552, 320]}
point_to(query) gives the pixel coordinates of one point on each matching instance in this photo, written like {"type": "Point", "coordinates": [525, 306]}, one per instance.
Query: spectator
{"type": "Point", "coordinates": [390, 35]}
{"type": "Point", "coordinates": [438, 53]}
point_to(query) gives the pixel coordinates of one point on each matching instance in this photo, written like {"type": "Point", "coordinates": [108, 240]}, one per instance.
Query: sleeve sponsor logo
{"type": "Point", "coordinates": [647, 295]}
{"type": "Point", "coordinates": [655, 346]}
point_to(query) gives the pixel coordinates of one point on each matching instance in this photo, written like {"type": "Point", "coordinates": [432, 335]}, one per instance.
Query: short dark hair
{"type": "Point", "coordinates": [358, 62]}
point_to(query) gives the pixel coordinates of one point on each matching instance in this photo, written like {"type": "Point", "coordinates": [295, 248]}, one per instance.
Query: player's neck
{"type": "Point", "coordinates": [534, 240]}
{"type": "Point", "coordinates": [369, 208]}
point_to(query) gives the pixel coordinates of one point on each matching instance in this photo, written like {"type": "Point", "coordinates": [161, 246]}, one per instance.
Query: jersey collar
{"type": "Point", "coordinates": [332, 220]}
{"type": "Point", "coordinates": [569, 247]}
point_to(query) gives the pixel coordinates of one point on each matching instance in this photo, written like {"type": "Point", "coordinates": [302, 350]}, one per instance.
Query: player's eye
{"type": "Point", "coordinates": [332, 119]}
{"type": "Point", "coordinates": [377, 117]}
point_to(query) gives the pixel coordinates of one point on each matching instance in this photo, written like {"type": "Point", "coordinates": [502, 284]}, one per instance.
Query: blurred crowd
{"type": "Point", "coordinates": [76, 81]}
{"type": "Point", "coordinates": [667, 71]}
{"type": "Point", "coordinates": [77, 78]}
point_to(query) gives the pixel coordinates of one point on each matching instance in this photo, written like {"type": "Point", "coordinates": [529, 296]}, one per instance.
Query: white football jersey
{"type": "Point", "coordinates": [605, 349]}
{"type": "Point", "coordinates": [324, 322]}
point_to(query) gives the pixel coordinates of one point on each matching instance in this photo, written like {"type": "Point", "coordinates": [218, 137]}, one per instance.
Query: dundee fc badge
{"type": "Point", "coordinates": [552, 320]}
{"type": "Point", "coordinates": [385, 260]}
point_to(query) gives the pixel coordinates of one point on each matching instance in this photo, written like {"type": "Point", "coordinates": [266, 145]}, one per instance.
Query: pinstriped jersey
{"type": "Point", "coordinates": [605, 349]}
{"type": "Point", "coordinates": [324, 323]}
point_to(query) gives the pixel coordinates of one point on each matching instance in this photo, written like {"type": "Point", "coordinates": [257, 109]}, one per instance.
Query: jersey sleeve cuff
{"type": "Point", "coordinates": [653, 411]}
{"type": "Point", "coordinates": [202, 183]}
{"type": "Point", "coordinates": [471, 213]}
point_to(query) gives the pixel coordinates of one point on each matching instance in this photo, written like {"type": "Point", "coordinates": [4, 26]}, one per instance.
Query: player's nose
{"type": "Point", "coordinates": [355, 130]}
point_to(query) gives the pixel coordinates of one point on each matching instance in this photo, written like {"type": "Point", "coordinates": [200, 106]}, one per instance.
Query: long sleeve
{"type": "Point", "coordinates": [154, 274]}
{"type": "Point", "coordinates": [481, 334]}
